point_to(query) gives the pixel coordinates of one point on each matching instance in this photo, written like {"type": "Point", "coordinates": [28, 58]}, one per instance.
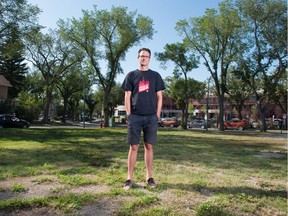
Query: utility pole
{"type": "Point", "coordinates": [207, 103]}
{"type": "Point", "coordinates": [84, 98]}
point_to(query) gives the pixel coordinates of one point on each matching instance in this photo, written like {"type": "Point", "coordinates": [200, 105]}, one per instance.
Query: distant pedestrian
{"type": "Point", "coordinates": [143, 103]}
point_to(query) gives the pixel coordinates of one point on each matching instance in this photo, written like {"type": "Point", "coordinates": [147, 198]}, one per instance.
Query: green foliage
{"type": "Point", "coordinates": [74, 171]}
{"type": "Point", "coordinates": [130, 207]}
{"type": "Point", "coordinates": [76, 180]}
{"type": "Point", "coordinates": [71, 201]}
{"type": "Point", "coordinates": [218, 37]}
{"type": "Point", "coordinates": [43, 180]}
{"type": "Point", "coordinates": [12, 64]}
{"type": "Point", "coordinates": [12, 204]}
{"type": "Point", "coordinates": [195, 89]}
{"type": "Point", "coordinates": [210, 209]}
{"type": "Point", "coordinates": [18, 188]}
{"type": "Point", "coordinates": [265, 64]}
{"type": "Point", "coordinates": [158, 211]}
{"type": "Point", "coordinates": [106, 36]}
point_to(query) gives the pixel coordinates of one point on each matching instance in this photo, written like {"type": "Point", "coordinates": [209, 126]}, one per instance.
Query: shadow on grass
{"type": "Point", "coordinates": [220, 152]}
{"type": "Point", "coordinates": [68, 147]}
{"type": "Point", "coordinates": [254, 192]}
{"type": "Point", "coordinates": [99, 147]}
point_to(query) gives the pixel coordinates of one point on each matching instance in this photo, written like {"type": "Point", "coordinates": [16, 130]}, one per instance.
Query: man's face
{"type": "Point", "coordinates": [144, 58]}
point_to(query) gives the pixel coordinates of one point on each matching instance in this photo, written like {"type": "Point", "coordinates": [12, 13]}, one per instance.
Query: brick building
{"type": "Point", "coordinates": [199, 108]}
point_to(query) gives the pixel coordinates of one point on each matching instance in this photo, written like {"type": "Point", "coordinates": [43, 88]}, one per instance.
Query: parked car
{"type": "Point", "coordinates": [198, 124]}
{"type": "Point", "coordinates": [10, 121]}
{"type": "Point", "coordinates": [169, 122]}
{"type": "Point", "coordinates": [236, 123]}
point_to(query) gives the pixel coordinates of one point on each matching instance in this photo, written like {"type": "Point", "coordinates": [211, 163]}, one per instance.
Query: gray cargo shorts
{"type": "Point", "coordinates": [137, 123]}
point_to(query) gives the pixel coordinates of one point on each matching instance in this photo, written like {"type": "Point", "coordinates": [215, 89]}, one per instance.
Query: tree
{"type": "Point", "coordinates": [74, 104]}
{"type": "Point", "coordinates": [19, 14]}
{"type": "Point", "coordinates": [217, 38]}
{"type": "Point", "coordinates": [194, 90]}
{"type": "Point", "coordinates": [12, 64]}
{"type": "Point", "coordinates": [91, 103]}
{"type": "Point", "coordinates": [238, 92]}
{"type": "Point", "coordinates": [69, 85]}
{"type": "Point", "coordinates": [106, 37]}
{"type": "Point", "coordinates": [280, 95]}
{"type": "Point", "coordinates": [184, 63]}
{"type": "Point", "coordinates": [266, 21]}
{"type": "Point", "coordinates": [31, 99]}
{"type": "Point", "coordinates": [116, 98]}
{"type": "Point", "coordinates": [53, 57]}
{"type": "Point", "coordinates": [17, 18]}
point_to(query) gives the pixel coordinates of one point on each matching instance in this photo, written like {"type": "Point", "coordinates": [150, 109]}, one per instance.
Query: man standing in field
{"type": "Point", "coordinates": [143, 103]}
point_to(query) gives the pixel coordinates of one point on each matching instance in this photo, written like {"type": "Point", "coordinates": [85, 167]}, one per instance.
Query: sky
{"type": "Point", "coordinates": [165, 14]}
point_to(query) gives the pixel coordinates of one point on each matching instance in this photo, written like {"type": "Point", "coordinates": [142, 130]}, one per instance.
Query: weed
{"type": "Point", "coordinates": [210, 209]}
{"type": "Point", "coordinates": [75, 180]}
{"type": "Point", "coordinates": [13, 204]}
{"type": "Point", "coordinates": [71, 201]}
{"type": "Point", "coordinates": [42, 180]}
{"type": "Point", "coordinates": [17, 188]}
{"type": "Point", "coordinates": [158, 211]}
{"type": "Point", "coordinates": [130, 207]}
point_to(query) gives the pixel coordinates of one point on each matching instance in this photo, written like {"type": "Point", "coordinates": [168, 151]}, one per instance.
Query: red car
{"type": "Point", "coordinates": [169, 122]}
{"type": "Point", "coordinates": [235, 123]}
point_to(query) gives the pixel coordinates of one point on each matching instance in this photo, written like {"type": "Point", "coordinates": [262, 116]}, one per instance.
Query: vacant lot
{"type": "Point", "coordinates": [81, 172]}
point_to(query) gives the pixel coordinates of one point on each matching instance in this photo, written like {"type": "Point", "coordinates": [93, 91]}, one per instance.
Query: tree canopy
{"type": "Point", "coordinates": [106, 36]}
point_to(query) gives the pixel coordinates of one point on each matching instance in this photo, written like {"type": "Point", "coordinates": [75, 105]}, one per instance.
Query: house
{"type": "Point", "coordinates": [4, 85]}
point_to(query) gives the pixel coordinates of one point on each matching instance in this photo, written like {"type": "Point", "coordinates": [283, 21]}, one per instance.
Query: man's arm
{"type": "Point", "coordinates": [128, 102]}
{"type": "Point", "coordinates": [159, 103]}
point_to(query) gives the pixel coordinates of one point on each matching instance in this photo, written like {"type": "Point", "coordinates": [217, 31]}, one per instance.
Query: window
{"type": "Point", "coordinates": [121, 113]}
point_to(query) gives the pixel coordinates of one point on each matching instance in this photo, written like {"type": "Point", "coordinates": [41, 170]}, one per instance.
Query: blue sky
{"type": "Point", "coordinates": [165, 14]}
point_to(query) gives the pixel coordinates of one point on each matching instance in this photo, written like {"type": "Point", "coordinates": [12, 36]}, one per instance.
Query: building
{"type": "Point", "coordinates": [199, 109]}
{"type": "Point", "coordinates": [169, 108]}
{"type": "Point", "coordinates": [4, 85]}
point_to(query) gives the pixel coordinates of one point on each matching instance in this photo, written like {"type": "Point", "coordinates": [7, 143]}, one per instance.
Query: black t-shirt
{"type": "Point", "coordinates": [143, 85]}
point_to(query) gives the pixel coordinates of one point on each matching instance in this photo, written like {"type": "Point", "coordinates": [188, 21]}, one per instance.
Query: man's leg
{"type": "Point", "coordinates": [148, 160]}
{"type": "Point", "coordinates": [132, 159]}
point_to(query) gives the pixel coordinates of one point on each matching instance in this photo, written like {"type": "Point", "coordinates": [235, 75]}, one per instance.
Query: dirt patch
{"type": "Point", "coordinates": [32, 188]}
{"type": "Point", "coordinates": [45, 211]}
{"type": "Point", "coordinates": [103, 206]}
{"type": "Point", "coordinates": [106, 206]}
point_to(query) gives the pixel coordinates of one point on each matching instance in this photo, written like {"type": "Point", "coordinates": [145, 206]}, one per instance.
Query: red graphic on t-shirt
{"type": "Point", "coordinates": [143, 86]}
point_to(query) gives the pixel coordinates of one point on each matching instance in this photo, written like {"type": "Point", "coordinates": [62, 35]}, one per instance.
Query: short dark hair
{"type": "Point", "coordinates": [145, 49]}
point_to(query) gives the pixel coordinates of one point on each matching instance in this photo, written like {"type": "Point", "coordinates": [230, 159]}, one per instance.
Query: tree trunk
{"type": "Point", "coordinates": [47, 105]}
{"type": "Point", "coordinates": [183, 119]}
{"type": "Point", "coordinates": [239, 110]}
{"type": "Point", "coordinates": [64, 110]}
{"type": "Point", "coordinates": [221, 111]}
{"type": "Point", "coordinates": [261, 111]}
{"type": "Point", "coordinates": [106, 110]}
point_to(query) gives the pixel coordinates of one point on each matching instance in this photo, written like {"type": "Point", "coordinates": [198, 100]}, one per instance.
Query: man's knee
{"type": "Point", "coordinates": [134, 148]}
{"type": "Point", "coordinates": [148, 147]}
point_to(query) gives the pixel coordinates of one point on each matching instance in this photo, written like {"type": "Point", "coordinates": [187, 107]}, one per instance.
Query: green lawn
{"type": "Point", "coordinates": [81, 172]}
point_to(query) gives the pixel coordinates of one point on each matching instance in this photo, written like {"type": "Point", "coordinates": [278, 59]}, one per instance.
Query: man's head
{"type": "Point", "coordinates": [144, 49]}
{"type": "Point", "coordinates": [144, 55]}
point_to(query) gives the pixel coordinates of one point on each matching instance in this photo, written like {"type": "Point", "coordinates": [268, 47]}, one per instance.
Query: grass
{"type": "Point", "coordinates": [198, 172]}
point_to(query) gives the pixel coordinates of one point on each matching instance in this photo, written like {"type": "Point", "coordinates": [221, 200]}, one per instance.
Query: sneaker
{"type": "Point", "coordinates": [128, 184]}
{"type": "Point", "coordinates": [151, 183]}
